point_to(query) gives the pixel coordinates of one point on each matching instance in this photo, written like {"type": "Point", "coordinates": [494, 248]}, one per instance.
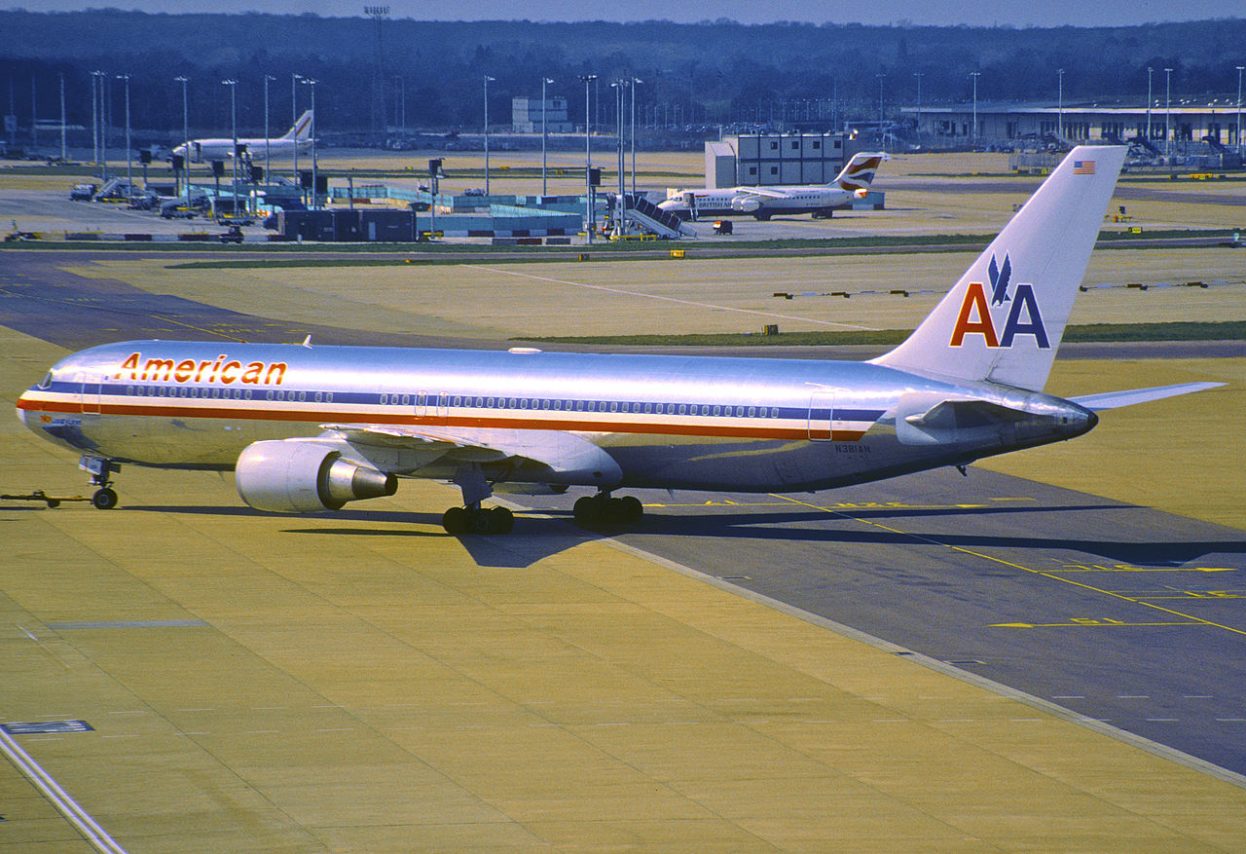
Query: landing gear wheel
{"type": "Point", "coordinates": [587, 510]}
{"type": "Point", "coordinates": [104, 499]}
{"type": "Point", "coordinates": [602, 509]}
{"type": "Point", "coordinates": [456, 521]}
{"type": "Point", "coordinates": [501, 520]}
{"type": "Point", "coordinates": [631, 509]}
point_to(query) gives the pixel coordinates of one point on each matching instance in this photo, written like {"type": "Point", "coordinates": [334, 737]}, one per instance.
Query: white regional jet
{"type": "Point", "coordinates": [308, 429]}
{"type": "Point", "coordinates": [204, 150]}
{"type": "Point", "coordinates": [821, 200]}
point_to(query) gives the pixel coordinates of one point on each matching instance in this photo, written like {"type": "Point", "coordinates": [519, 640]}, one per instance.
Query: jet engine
{"type": "Point", "coordinates": [745, 204]}
{"type": "Point", "coordinates": [294, 476]}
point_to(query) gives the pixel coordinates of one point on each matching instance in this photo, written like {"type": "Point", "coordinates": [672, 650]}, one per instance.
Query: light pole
{"type": "Point", "coordinates": [487, 79]}
{"type": "Point", "coordinates": [185, 137]}
{"type": "Point", "coordinates": [1060, 119]}
{"type": "Point", "coordinates": [975, 75]}
{"type": "Point", "coordinates": [267, 143]}
{"type": "Point", "coordinates": [588, 158]}
{"type": "Point", "coordinates": [1149, 72]}
{"type": "Point", "coordinates": [882, 137]}
{"type": "Point", "coordinates": [621, 206]}
{"type": "Point", "coordinates": [1240, 69]}
{"type": "Point", "coordinates": [544, 138]}
{"type": "Point", "coordinates": [95, 122]}
{"type": "Point", "coordinates": [233, 125]}
{"type": "Point", "coordinates": [64, 152]}
{"type": "Point", "coordinates": [636, 81]}
{"type": "Point", "coordinates": [101, 154]}
{"type": "Point", "coordinates": [1168, 112]}
{"type": "Point", "coordinates": [129, 154]}
{"type": "Point", "coordinates": [401, 118]}
{"type": "Point", "coordinates": [311, 83]}
{"type": "Point", "coordinates": [919, 75]}
{"type": "Point", "coordinates": [294, 120]}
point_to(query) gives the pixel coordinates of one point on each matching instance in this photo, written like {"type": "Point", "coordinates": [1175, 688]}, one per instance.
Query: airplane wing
{"type": "Point", "coordinates": [558, 455]}
{"type": "Point", "coordinates": [761, 191]}
{"type": "Point", "coordinates": [1117, 399]}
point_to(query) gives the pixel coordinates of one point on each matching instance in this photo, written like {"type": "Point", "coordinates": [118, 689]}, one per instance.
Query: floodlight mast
{"type": "Point", "coordinates": [185, 137]}
{"type": "Point", "coordinates": [589, 213]}
{"type": "Point", "coordinates": [487, 81]}
{"type": "Point", "coordinates": [544, 138]}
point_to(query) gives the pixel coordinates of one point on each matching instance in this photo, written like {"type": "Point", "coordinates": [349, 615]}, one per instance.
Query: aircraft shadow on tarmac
{"type": "Point", "coordinates": [551, 531]}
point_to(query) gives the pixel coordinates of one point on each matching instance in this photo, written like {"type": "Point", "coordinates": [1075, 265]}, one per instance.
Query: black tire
{"type": "Point", "coordinates": [455, 521]}
{"type": "Point", "coordinates": [480, 522]}
{"type": "Point", "coordinates": [587, 510]}
{"type": "Point", "coordinates": [104, 499]}
{"type": "Point", "coordinates": [503, 520]}
{"type": "Point", "coordinates": [631, 510]}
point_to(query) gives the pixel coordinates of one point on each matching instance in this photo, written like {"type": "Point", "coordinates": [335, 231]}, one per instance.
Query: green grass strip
{"type": "Point", "coordinates": [1233, 330]}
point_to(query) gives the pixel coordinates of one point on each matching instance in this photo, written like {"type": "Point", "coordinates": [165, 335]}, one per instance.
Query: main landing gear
{"type": "Point", "coordinates": [601, 509]}
{"type": "Point", "coordinates": [104, 497]}
{"type": "Point", "coordinates": [471, 518]}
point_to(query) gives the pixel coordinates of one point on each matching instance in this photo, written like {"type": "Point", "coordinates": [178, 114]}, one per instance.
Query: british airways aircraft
{"type": "Point", "coordinates": [308, 428]}
{"type": "Point", "coordinates": [298, 136]}
{"type": "Point", "coordinates": [821, 200]}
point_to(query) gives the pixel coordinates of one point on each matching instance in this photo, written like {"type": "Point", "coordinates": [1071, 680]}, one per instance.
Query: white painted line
{"type": "Point", "coordinates": [95, 835]}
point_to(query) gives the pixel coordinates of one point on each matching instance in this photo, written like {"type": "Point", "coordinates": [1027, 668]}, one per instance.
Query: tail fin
{"type": "Point", "coordinates": [301, 129]}
{"type": "Point", "coordinates": [1004, 319]}
{"type": "Point", "coordinates": [858, 173]}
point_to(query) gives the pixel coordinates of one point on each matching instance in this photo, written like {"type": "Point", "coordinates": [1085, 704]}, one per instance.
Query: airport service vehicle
{"type": "Point", "coordinates": [82, 193]}
{"type": "Point", "coordinates": [204, 150]}
{"type": "Point", "coordinates": [309, 428]}
{"type": "Point", "coordinates": [853, 182]}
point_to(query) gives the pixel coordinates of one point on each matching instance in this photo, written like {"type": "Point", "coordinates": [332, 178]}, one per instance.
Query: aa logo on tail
{"type": "Point", "coordinates": [1023, 318]}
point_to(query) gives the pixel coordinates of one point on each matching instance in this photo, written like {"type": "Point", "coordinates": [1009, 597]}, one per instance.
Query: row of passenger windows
{"type": "Point", "coordinates": [558, 405]}
{"type": "Point", "coordinates": [459, 401]}
{"type": "Point", "coordinates": [189, 391]}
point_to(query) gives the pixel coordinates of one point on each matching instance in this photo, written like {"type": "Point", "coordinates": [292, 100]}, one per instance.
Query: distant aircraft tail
{"type": "Point", "coordinates": [1005, 318]}
{"type": "Point", "coordinates": [858, 173]}
{"type": "Point", "coordinates": [301, 129]}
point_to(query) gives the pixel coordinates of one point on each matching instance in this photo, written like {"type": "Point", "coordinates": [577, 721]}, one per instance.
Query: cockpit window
{"type": "Point", "coordinates": [46, 382]}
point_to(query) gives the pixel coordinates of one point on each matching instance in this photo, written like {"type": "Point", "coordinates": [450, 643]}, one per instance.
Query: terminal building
{"type": "Point", "coordinates": [526, 115]}
{"type": "Point", "coordinates": [772, 159]}
{"type": "Point", "coordinates": [1215, 123]}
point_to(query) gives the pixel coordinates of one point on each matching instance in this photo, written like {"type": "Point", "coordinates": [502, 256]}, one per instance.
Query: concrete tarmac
{"type": "Point", "coordinates": [363, 681]}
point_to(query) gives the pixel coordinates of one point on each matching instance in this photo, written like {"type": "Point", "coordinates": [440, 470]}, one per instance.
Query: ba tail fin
{"type": "Point", "coordinates": [302, 128]}
{"type": "Point", "coordinates": [1005, 318]}
{"type": "Point", "coordinates": [858, 173]}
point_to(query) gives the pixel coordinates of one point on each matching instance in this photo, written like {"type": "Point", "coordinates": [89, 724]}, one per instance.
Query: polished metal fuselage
{"type": "Point", "coordinates": [691, 422]}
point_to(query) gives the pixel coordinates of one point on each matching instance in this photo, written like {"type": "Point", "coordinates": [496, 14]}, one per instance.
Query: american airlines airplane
{"type": "Point", "coordinates": [204, 150]}
{"type": "Point", "coordinates": [308, 428]}
{"type": "Point", "coordinates": [853, 182]}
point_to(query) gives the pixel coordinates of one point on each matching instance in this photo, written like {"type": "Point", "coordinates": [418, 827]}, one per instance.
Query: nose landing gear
{"type": "Point", "coordinates": [104, 497]}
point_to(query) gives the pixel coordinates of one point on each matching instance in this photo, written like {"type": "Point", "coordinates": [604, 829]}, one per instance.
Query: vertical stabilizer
{"type": "Point", "coordinates": [1005, 318]}
{"type": "Point", "coordinates": [858, 173]}
{"type": "Point", "coordinates": [301, 129]}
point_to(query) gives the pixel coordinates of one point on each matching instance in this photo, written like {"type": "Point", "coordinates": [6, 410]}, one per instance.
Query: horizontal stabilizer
{"type": "Point", "coordinates": [1117, 399]}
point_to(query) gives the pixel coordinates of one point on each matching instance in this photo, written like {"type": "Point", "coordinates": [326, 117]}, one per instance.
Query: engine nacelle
{"type": "Point", "coordinates": [745, 204]}
{"type": "Point", "coordinates": [295, 476]}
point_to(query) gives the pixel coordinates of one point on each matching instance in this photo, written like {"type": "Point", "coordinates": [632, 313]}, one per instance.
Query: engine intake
{"type": "Point", "coordinates": [294, 476]}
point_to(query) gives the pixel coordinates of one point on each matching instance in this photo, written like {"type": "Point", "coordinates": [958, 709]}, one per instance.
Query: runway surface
{"type": "Point", "coordinates": [1120, 613]}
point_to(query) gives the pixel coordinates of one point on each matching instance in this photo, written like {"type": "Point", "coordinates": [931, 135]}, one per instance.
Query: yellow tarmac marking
{"type": "Point", "coordinates": [694, 303]}
{"type": "Point", "coordinates": [1125, 567]}
{"type": "Point", "coordinates": [1055, 576]}
{"type": "Point", "coordinates": [1088, 622]}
